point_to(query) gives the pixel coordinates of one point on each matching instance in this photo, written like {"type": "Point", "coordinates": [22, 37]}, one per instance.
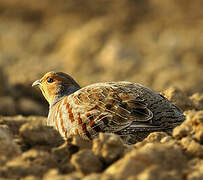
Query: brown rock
{"type": "Point", "coordinates": [197, 100]}
{"type": "Point", "coordinates": [27, 106]}
{"type": "Point", "coordinates": [170, 141]}
{"type": "Point", "coordinates": [109, 147]}
{"type": "Point", "coordinates": [63, 152]}
{"type": "Point", "coordinates": [79, 142]}
{"type": "Point", "coordinates": [165, 157]}
{"type": "Point", "coordinates": [190, 133]}
{"type": "Point", "coordinates": [8, 148]}
{"type": "Point", "coordinates": [31, 177]}
{"type": "Point", "coordinates": [125, 167]}
{"type": "Point", "coordinates": [152, 137]}
{"type": "Point", "coordinates": [32, 162]}
{"type": "Point", "coordinates": [3, 83]}
{"type": "Point", "coordinates": [196, 170]}
{"type": "Point", "coordinates": [179, 98]}
{"type": "Point", "coordinates": [97, 176]}
{"type": "Point", "coordinates": [15, 122]}
{"type": "Point", "coordinates": [7, 106]}
{"type": "Point", "coordinates": [154, 173]}
{"type": "Point", "coordinates": [62, 155]}
{"type": "Point", "coordinates": [35, 133]}
{"type": "Point", "coordinates": [181, 131]}
{"type": "Point", "coordinates": [192, 147]}
{"type": "Point", "coordinates": [86, 162]}
{"type": "Point", "coordinates": [155, 136]}
{"type": "Point", "coordinates": [192, 126]}
{"type": "Point", "coordinates": [198, 126]}
{"type": "Point", "coordinates": [92, 176]}
{"type": "Point", "coordinates": [55, 175]}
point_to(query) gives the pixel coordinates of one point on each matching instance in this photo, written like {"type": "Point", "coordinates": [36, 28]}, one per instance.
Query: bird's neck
{"type": "Point", "coordinates": [64, 93]}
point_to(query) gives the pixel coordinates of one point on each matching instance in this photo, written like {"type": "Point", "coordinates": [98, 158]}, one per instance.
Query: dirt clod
{"type": "Point", "coordinates": [86, 162]}
{"type": "Point", "coordinates": [109, 147]}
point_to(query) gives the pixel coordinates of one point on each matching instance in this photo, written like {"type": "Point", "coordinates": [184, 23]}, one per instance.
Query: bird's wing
{"type": "Point", "coordinates": [110, 107]}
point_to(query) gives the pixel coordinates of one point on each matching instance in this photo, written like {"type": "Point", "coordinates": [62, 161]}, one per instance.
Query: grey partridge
{"type": "Point", "coordinates": [124, 108]}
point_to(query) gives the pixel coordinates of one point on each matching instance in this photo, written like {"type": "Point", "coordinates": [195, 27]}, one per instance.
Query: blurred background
{"type": "Point", "coordinates": [154, 42]}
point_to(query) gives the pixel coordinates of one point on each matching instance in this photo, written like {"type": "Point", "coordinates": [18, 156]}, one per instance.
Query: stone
{"type": "Point", "coordinates": [92, 176]}
{"type": "Point", "coordinates": [181, 131]}
{"type": "Point", "coordinates": [54, 174]}
{"type": "Point", "coordinates": [152, 137]}
{"type": "Point", "coordinates": [62, 155]}
{"type": "Point", "coordinates": [192, 147]}
{"type": "Point", "coordinates": [197, 100]}
{"type": "Point", "coordinates": [7, 106]}
{"type": "Point", "coordinates": [109, 147]}
{"type": "Point", "coordinates": [80, 142]}
{"type": "Point", "coordinates": [154, 173]}
{"type": "Point", "coordinates": [8, 148]}
{"type": "Point", "coordinates": [192, 126]}
{"type": "Point", "coordinates": [27, 106]}
{"type": "Point", "coordinates": [32, 162]}
{"type": "Point", "coordinates": [14, 123]}
{"type": "Point", "coordinates": [30, 177]}
{"type": "Point", "coordinates": [165, 157]}
{"type": "Point", "coordinates": [86, 162]}
{"type": "Point", "coordinates": [179, 98]}
{"type": "Point", "coordinates": [196, 169]}
{"type": "Point", "coordinates": [35, 133]}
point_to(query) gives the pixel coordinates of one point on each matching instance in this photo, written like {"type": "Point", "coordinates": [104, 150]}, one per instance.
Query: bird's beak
{"type": "Point", "coordinates": [37, 82]}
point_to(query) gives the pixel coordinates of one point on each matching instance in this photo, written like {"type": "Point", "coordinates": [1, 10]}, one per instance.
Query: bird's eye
{"type": "Point", "coordinates": [50, 80]}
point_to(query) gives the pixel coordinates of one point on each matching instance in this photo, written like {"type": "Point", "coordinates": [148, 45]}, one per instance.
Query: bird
{"type": "Point", "coordinates": [127, 109]}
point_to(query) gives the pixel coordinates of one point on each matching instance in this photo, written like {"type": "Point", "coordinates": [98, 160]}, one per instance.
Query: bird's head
{"type": "Point", "coordinates": [55, 85]}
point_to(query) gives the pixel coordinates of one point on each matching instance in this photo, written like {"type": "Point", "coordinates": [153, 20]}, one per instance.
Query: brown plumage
{"type": "Point", "coordinates": [128, 109]}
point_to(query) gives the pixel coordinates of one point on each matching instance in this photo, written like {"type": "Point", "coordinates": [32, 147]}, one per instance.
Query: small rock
{"type": "Point", "coordinates": [152, 137]}
{"type": "Point", "coordinates": [170, 141]}
{"type": "Point", "coordinates": [179, 98]}
{"type": "Point", "coordinates": [109, 147]}
{"type": "Point", "coordinates": [7, 106]}
{"type": "Point", "coordinates": [33, 162]}
{"type": "Point", "coordinates": [165, 157]}
{"type": "Point", "coordinates": [192, 126]}
{"type": "Point", "coordinates": [8, 148]}
{"type": "Point", "coordinates": [80, 143]}
{"type": "Point", "coordinates": [192, 147]}
{"type": "Point", "coordinates": [199, 134]}
{"type": "Point", "coordinates": [125, 167]}
{"type": "Point", "coordinates": [35, 133]}
{"type": "Point", "coordinates": [27, 106]}
{"type": "Point", "coordinates": [64, 151]}
{"type": "Point", "coordinates": [92, 176]}
{"type": "Point", "coordinates": [3, 82]}
{"type": "Point", "coordinates": [197, 100]}
{"type": "Point", "coordinates": [31, 177]}
{"type": "Point", "coordinates": [15, 122]}
{"type": "Point", "coordinates": [55, 175]}
{"type": "Point", "coordinates": [154, 173]}
{"type": "Point", "coordinates": [97, 176]}
{"type": "Point", "coordinates": [86, 162]}
{"type": "Point", "coordinates": [62, 155]}
{"type": "Point", "coordinates": [181, 131]}
{"type": "Point", "coordinates": [156, 136]}
{"type": "Point", "coordinates": [196, 169]}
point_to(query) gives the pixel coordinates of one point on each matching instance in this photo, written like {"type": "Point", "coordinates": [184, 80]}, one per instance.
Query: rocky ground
{"type": "Point", "coordinates": [156, 43]}
{"type": "Point", "coordinates": [30, 150]}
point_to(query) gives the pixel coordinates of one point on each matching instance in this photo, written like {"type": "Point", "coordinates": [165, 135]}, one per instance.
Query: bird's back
{"type": "Point", "coordinates": [119, 107]}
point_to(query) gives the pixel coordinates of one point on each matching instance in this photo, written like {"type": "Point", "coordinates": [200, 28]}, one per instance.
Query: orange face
{"type": "Point", "coordinates": [56, 84]}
